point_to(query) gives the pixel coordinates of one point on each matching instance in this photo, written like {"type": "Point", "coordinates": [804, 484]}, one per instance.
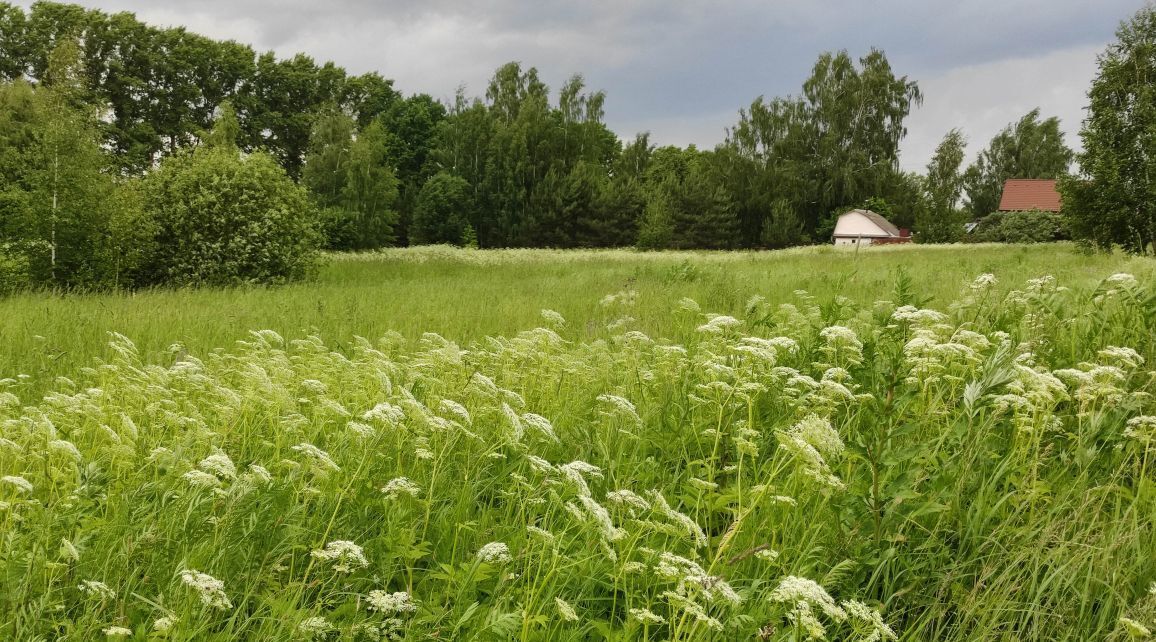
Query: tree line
{"type": "Point", "coordinates": [99, 108]}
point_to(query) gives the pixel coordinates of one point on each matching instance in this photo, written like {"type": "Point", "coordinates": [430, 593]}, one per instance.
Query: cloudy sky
{"type": "Point", "coordinates": [681, 69]}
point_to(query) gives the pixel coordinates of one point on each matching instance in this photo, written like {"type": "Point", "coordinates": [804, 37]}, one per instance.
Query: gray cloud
{"type": "Point", "coordinates": [682, 68]}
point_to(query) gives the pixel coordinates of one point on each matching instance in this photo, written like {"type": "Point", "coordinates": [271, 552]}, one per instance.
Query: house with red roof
{"type": "Point", "coordinates": [1025, 194]}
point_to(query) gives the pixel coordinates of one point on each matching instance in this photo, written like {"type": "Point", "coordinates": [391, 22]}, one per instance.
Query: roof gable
{"type": "Point", "coordinates": [846, 226]}
{"type": "Point", "coordinates": [1022, 194]}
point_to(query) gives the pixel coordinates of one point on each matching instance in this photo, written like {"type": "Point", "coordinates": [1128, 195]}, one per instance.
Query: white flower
{"type": "Point", "coordinates": [314, 626]}
{"type": "Point", "coordinates": [66, 447]}
{"type": "Point", "coordinates": [868, 621]}
{"type": "Point", "coordinates": [646, 616]}
{"type": "Point", "coordinates": [793, 589]}
{"type": "Point", "coordinates": [628, 498]}
{"type": "Point", "coordinates": [386, 413]}
{"type": "Point", "coordinates": [220, 465]}
{"type": "Point", "coordinates": [553, 319]}
{"type": "Point", "coordinates": [451, 407]}
{"type": "Point", "coordinates": [983, 281]}
{"type": "Point", "coordinates": [260, 473]}
{"type": "Point", "coordinates": [541, 424]}
{"type": "Point", "coordinates": [495, 553]}
{"type": "Point", "coordinates": [117, 632]}
{"type": "Point", "coordinates": [163, 624]}
{"type": "Point", "coordinates": [97, 589]}
{"type": "Point", "coordinates": [68, 550]}
{"type": "Point", "coordinates": [201, 479]}
{"type": "Point", "coordinates": [396, 487]}
{"type": "Point", "coordinates": [21, 484]}
{"type": "Point", "coordinates": [391, 603]}
{"type": "Point", "coordinates": [719, 324]}
{"type": "Point", "coordinates": [318, 457]}
{"type": "Point", "coordinates": [1122, 279]}
{"type": "Point", "coordinates": [565, 611]}
{"type": "Point", "coordinates": [347, 556]}
{"type": "Point", "coordinates": [210, 589]}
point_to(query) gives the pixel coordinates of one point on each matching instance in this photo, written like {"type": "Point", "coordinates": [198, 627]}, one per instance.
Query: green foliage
{"type": "Point", "coordinates": [1022, 227]}
{"type": "Point", "coordinates": [893, 466]}
{"type": "Point", "coordinates": [223, 218]}
{"type": "Point", "coordinates": [65, 219]}
{"type": "Point", "coordinates": [940, 221]}
{"type": "Point", "coordinates": [1113, 202]}
{"type": "Point", "coordinates": [834, 146]}
{"type": "Point", "coordinates": [349, 176]}
{"type": "Point", "coordinates": [1028, 148]}
{"type": "Point", "coordinates": [442, 213]}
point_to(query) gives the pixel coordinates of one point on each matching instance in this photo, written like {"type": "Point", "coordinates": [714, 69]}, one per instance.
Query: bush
{"type": "Point", "coordinates": [223, 218]}
{"type": "Point", "coordinates": [1034, 226]}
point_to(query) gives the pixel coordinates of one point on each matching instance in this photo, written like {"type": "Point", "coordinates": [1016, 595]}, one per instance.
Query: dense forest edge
{"type": "Point", "coordinates": [133, 155]}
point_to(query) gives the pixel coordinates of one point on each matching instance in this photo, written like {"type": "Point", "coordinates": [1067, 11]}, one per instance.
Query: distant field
{"type": "Point", "coordinates": [465, 295]}
{"type": "Point", "coordinates": [948, 444]}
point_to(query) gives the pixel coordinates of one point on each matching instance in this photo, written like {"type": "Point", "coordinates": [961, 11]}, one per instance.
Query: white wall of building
{"type": "Point", "coordinates": [845, 240]}
{"type": "Point", "coordinates": [854, 224]}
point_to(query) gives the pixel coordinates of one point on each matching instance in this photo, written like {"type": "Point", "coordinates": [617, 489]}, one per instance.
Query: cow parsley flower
{"type": "Point", "coordinates": [117, 632]}
{"type": "Point", "coordinates": [495, 553]}
{"type": "Point", "coordinates": [553, 319]}
{"type": "Point", "coordinates": [391, 603]}
{"type": "Point", "coordinates": [210, 589]}
{"type": "Point", "coordinates": [646, 616]}
{"type": "Point", "coordinates": [97, 589]}
{"type": "Point", "coordinates": [868, 622]}
{"type": "Point", "coordinates": [983, 282]}
{"type": "Point", "coordinates": [565, 611]}
{"type": "Point", "coordinates": [65, 447]}
{"type": "Point", "coordinates": [347, 556]}
{"type": "Point", "coordinates": [541, 424]}
{"type": "Point", "coordinates": [21, 484]}
{"type": "Point", "coordinates": [164, 624]}
{"type": "Point", "coordinates": [318, 457]}
{"type": "Point", "coordinates": [201, 479]}
{"type": "Point", "coordinates": [793, 590]}
{"type": "Point", "coordinates": [314, 626]}
{"type": "Point", "coordinates": [399, 486]}
{"type": "Point", "coordinates": [220, 465]}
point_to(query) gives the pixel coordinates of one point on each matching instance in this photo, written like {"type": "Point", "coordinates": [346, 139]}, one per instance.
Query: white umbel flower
{"type": "Point", "coordinates": [391, 603]}
{"type": "Point", "coordinates": [316, 456]}
{"type": "Point", "coordinates": [565, 611]}
{"type": "Point", "coordinates": [314, 626]}
{"type": "Point", "coordinates": [793, 589]}
{"type": "Point", "coordinates": [399, 486]}
{"type": "Point", "coordinates": [347, 556]}
{"type": "Point", "coordinates": [117, 632]}
{"type": "Point", "coordinates": [220, 465]}
{"type": "Point", "coordinates": [495, 553]}
{"type": "Point", "coordinates": [210, 589]}
{"type": "Point", "coordinates": [97, 589]}
{"type": "Point", "coordinates": [21, 484]}
{"type": "Point", "coordinates": [646, 616]}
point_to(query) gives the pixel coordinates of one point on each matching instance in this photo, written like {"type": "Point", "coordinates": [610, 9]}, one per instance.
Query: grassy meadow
{"type": "Point", "coordinates": [901, 443]}
{"type": "Point", "coordinates": [467, 295]}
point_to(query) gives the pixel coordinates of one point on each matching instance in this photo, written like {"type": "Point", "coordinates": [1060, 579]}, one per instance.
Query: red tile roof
{"type": "Point", "coordinates": [1022, 194]}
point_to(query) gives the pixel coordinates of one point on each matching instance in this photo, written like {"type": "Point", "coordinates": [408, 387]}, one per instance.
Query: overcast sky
{"type": "Point", "coordinates": [682, 69]}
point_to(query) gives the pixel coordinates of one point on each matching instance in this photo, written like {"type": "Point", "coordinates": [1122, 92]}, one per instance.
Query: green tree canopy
{"type": "Point", "coordinates": [940, 220]}
{"type": "Point", "coordinates": [1113, 201]}
{"type": "Point", "coordinates": [1028, 148]}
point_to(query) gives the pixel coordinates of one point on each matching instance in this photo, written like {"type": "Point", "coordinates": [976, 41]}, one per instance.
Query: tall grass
{"type": "Point", "coordinates": [892, 455]}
